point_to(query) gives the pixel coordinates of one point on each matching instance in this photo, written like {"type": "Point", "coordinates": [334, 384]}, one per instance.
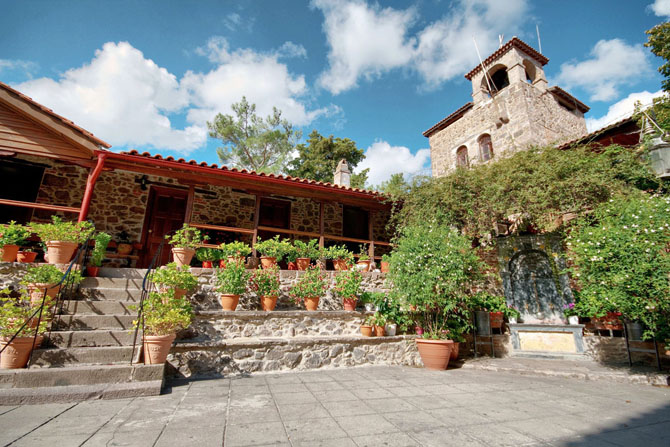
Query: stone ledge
{"type": "Point", "coordinates": [254, 314]}
{"type": "Point", "coordinates": [279, 341]}
{"type": "Point", "coordinates": [79, 375]}
{"type": "Point", "coordinates": [77, 393]}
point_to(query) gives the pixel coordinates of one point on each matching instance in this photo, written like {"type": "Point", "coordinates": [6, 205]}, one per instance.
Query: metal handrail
{"type": "Point", "coordinates": [66, 280]}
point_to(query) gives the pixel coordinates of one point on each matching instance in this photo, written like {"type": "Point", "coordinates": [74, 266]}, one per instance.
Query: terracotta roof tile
{"type": "Point", "coordinates": [515, 42]}
{"type": "Point", "coordinates": [88, 135]}
{"type": "Point", "coordinates": [586, 138]}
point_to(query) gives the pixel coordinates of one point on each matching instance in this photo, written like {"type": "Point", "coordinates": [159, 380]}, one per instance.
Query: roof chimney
{"type": "Point", "coordinates": [342, 174]}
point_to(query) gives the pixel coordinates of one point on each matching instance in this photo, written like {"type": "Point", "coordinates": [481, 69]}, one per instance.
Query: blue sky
{"type": "Point", "coordinates": [148, 75]}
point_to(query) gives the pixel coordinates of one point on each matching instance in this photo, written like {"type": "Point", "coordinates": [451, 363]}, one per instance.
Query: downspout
{"type": "Point", "coordinates": [90, 184]}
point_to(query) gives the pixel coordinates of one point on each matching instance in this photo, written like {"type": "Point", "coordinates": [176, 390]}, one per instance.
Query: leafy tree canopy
{"type": "Point", "coordinates": [252, 142]}
{"type": "Point", "coordinates": [318, 159]}
{"type": "Point", "coordinates": [658, 41]}
{"type": "Point", "coordinates": [396, 187]}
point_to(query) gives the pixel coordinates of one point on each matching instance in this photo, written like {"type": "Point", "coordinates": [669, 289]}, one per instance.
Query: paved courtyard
{"type": "Point", "coordinates": [371, 406]}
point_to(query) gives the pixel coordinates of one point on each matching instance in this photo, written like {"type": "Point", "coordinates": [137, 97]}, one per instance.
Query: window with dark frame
{"type": "Point", "coordinates": [462, 157]}
{"type": "Point", "coordinates": [485, 148]}
{"type": "Point", "coordinates": [19, 181]}
{"type": "Point", "coordinates": [275, 213]}
{"type": "Point", "coordinates": [355, 222]}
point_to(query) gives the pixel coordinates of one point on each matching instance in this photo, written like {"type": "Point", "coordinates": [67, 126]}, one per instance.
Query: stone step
{"type": "Point", "coordinates": [110, 294]}
{"type": "Point", "coordinates": [98, 307]}
{"type": "Point", "coordinates": [90, 338]}
{"type": "Point", "coordinates": [221, 325]}
{"type": "Point", "coordinates": [550, 355]}
{"type": "Point", "coordinates": [79, 375]}
{"type": "Point", "coordinates": [247, 355]}
{"type": "Point", "coordinates": [104, 355]}
{"type": "Point", "coordinates": [109, 272]}
{"type": "Point", "coordinates": [94, 322]}
{"type": "Point", "coordinates": [112, 283]}
{"type": "Point", "coordinates": [78, 393]}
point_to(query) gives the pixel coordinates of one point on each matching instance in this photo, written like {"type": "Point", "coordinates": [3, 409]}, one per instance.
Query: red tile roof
{"type": "Point", "coordinates": [288, 178]}
{"type": "Point", "coordinates": [515, 42]}
{"type": "Point", "coordinates": [86, 134]}
{"type": "Point", "coordinates": [569, 99]}
{"type": "Point", "coordinates": [448, 120]}
{"type": "Point", "coordinates": [593, 135]}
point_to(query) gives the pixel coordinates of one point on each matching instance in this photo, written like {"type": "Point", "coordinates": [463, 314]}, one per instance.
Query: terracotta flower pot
{"type": "Point", "coordinates": [157, 348]}
{"type": "Point", "coordinates": [222, 264]}
{"type": "Point", "coordinates": [236, 259]}
{"type": "Point", "coordinates": [340, 264]}
{"type": "Point", "coordinates": [363, 266]}
{"type": "Point", "coordinates": [418, 330]}
{"type": "Point", "coordinates": [92, 271]}
{"type": "Point", "coordinates": [182, 256]}
{"type": "Point", "coordinates": [434, 353]}
{"type": "Point", "coordinates": [36, 291]}
{"type": "Point", "coordinates": [349, 303]}
{"type": "Point", "coordinates": [454, 351]}
{"type": "Point", "coordinates": [311, 303]}
{"type": "Point", "coordinates": [268, 302]}
{"type": "Point", "coordinates": [268, 261]}
{"type": "Point", "coordinates": [178, 293]}
{"type": "Point", "coordinates": [26, 256]}
{"type": "Point", "coordinates": [124, 249]}
{"type": "Point", "coordinates": [17, 353]}
{"type": "Point", "coordinates": [60, 252]}
{"type": "Point", "coordinates": [229, 301]}
{"type": "Point", "coordinates": [9, 253]}
{"type": "Point", "coordinates": [379, 331]}
{"type": "Point", "coordinates": [385, 266]}
{"type": "Point", "coordinates": [497, 319]}
{"type": "Point", "coordinates": [292, 265]}
{"type": "Point", "coordinates": [207, 264]}
{"type": "Point", "coordinates": [366, 331]}
{"type": "Point", "coordinates": [302, 263]}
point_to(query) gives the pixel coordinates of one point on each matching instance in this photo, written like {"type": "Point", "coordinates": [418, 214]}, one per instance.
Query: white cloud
{"type": "Point", "coordinates": [661, 8]}
{"type": "Point", "coordinates": [234, 22]}
{"type": "Point", "coordinates": [622, 109]}
{"type": "Point", "coordinates": [385, 160]}
{"type": "Point", "coordinates": [290, 49]}
{"type": "Point", "coordinates": [366, 41]}
{"type": "Point", "coordinates": [613, 64]}
{"type": "Point", "coordinates": [122, 97]}
{"type": "Point", "coordinates": [27, 67]}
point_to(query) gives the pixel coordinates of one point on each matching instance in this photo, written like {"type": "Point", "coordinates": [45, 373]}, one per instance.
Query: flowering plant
{"type": "Point", "coordinates": [265, 282]}
{"type": "Point", "coordinates": [348, 283]}
{"type": "Point", "coordinates": [569, 310]}
{"type": "Point", "coordinates": [15, 311]}
{"type": "Point", "coordinates": [621, 261]}
{"type": "Point", "coordinates": [232, 279]}
{"type": "Point", "coordinates": [312, 284]}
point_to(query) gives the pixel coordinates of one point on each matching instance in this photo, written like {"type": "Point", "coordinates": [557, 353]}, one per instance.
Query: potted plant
{"type": "Point", "coordinates": [124, 245]}
{"type": "Point", "coordinates": [367, 327]}
{"type": "Point", "coordinates": [432, 270]}
{"type": "Point", "coordinates": [385, 263]}
{"type": "Point", "coordinates": [208, 256]}
{"type": "Point", "coordinates": [571, 313]}
{"type": "Point", "coordinates": [234, 252]}
{"type": "Point", "coordinates": [290, 256]}
{"type": "Point", "coordinates": [341, 257]}
{"type": "Point", "coordinates": [491, 309]}
{"type": "Point", "coordinates": [62, 238]}
{"type": "Point", "coordinates": [14, 312]}
{"type": "Point", "coordinates": [272, 251]}
{"type": "Point", "coordinates": [306, 251]}
{"type": "Point", "coordinates": [390, 307]}
{"type": "Point", "coordinates": [163, 315]}
{"type": "Point", "coordinates": [98, 253]}
{"type": "Point", "coordinates": [175, 277]}
{"type": "Point", "coordinates": [27, 255]}
{"type": "Point", "coordinates": [379, 322]}
{"type": "Point", "coordinates": [348, 287]}
{"type": "Point", "coordinates": [309, 288]}
{"type": "Point", "coordinates": [40, 279]}
{"type": "Point", "coordinates": [12, 236]}
{"type": "Point", "coordinates": [369, 300]}
{"type": "Point", "coordinates": [363, 261]}
{"type": "Point", "coordinates": [265, 282]}
{"type": "Point", "coordinates": [231, 282]}
{"type": "Point", "coordinates": [184, 242]}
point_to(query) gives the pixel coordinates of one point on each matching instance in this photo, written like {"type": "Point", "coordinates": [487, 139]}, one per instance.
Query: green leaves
{"type": "Point", "coordinates": [164, 314]}
{"type": "Point", "coordinates": [186, 237]}
{"type": "Point", "coordinates": [312, 284]}
{"type": "Point", "coordinates": [171, 276]}
{"type": "Point", "coordinates": [232, 279]}
{"type": "Point", "coordinates": [265, 282]}
{"type": "Point", "coordinates": [100, 249]}
{"type": "Point", "coordinates": [348, 283]}
{"type": "Point", "coordinates": [659, 42]}
{"type": "Point", "coordinates": [59, 230]}
{"type": "Point", "coordinates": [13, 234]}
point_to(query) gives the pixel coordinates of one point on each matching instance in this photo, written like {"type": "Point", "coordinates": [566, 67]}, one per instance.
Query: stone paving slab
{"type": "Point", "coordinates": [366, 406]}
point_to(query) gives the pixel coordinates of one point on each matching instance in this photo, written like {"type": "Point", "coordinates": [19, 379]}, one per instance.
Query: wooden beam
{"type": "Point", "coordinates": [189, 204]}
{"type": "Point", "coordinates": [371, 248]}
{"type": "Point", "coordinates": [222, 228]}
{"type": "Point", "coordinates": [40, 206]}
{"type": "Point", "coordinates": [257, 217]}
{"type": "Point", "coordinates": [321, 225]}
{"type": "Point", "coordinates": [287, 231]}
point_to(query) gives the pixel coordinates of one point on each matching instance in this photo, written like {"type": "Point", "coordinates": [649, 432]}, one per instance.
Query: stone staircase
{"type": "Point", "coordinates": [91, 345]}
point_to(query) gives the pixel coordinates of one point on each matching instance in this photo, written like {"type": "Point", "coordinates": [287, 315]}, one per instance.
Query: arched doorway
{"type": "Point", "coordinates": [533, 287]}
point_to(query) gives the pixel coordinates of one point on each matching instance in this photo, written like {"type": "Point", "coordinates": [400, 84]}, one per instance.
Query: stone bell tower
{"type": "Point", "coordinates": [512, 109]}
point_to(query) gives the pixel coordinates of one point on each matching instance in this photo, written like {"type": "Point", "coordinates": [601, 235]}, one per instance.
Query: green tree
{"type": "Point", "coordinates": [318, 159]}
{"type": "Point", "coordinates": [658, 41]}
{"type": "Point", "coordinates": [252, 142]}
{"type": "Point", "coordinates": [396, 187]}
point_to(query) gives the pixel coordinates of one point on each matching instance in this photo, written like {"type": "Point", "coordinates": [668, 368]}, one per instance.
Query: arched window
{"type": "Point", "coordinates": [495, 80]}
{"type": "Point", "coordinates": [531, 71]}
{"type": "Point", "coordinates": [500, 79]}
{"type": "Point", "coordinates": [462, 157]}
{"type": "Point", "coordinates": [485, 148]}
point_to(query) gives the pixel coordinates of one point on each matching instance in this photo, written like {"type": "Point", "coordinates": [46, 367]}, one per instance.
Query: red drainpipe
{"type": "Point", "coordinates": [90, 184]}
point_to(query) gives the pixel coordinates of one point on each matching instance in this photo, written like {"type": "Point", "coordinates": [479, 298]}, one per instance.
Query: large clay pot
{"type": "Point", "coordinates": [340, 264]}
{"type": "Point", "coordinates": [454, 351]}
{"type": "Point", "coordinates": [366, 331]}
{"type": "Point", "coordinates": [124, 249]}
{"type": "Point", "coordinates": [9, 252]}
{"type": "Point", "coordinates": [235, 260]}
{"type": "Point", "coordinates": [391, 329]}
{"type": "Point", "coordinates": [434, 353]}
{"type": "Point", "coordinates": [363, 266]}
{"type": "Point", "coordinates": [385, 266]}
{"type": "Point", "coordinates": [268, 261]}
{"type": "Point", "coordinates": [311, 303]}
{"type": "Point", "coordinates": [302, 263]}
{"type": "Point", "coordinates": [157, 348]}
{"type": "Point", "coordinates": [497, 320]}
{"type": "Point", "coordinates": [17, 353]}
{"type": "Point", "coordinates": [222, 264]}
{"type": "Point", "coordinates": [36, 291]}
{"type": "Point", "coordinates": [60, 252]}
{"type": "Point", "coordinates": [268, 303]}
{"type": "Point", "coordinates": [349, 303]}
{"type": "Point", "coordinates": [229, 301]}
{"type": "Point", "coordinates": [178, 293]}
{"type": "Point", "coordinates": [92, 271]}
{"type": "Point", "coordinates": [379, 331]}
{"type": "Point", "coordinates": [182, 256]}
{"type": "Point", "coordinates": [207, 264]}
{"type": "Point", "coordinates": [26, 256]}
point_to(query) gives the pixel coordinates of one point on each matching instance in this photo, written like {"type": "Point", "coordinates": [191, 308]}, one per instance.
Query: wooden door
{"type": "Point", "coordinates": [166, 211]}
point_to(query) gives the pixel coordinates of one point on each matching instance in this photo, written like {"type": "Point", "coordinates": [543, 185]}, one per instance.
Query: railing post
{"type": "Point", "coordinates": [371, 248]}
{"type": "Point", "coordinates": [321, 225]}
{"type": "Point", "coordinates": [257, 216]}
{"type": "Point", "coordinates": [90, 184]}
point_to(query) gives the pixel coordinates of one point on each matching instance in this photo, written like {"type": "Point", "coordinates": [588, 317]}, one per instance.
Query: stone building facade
{"type": "Point", "coordinates": [512, 109]}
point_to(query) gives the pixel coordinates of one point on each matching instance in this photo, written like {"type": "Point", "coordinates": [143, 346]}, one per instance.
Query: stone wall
{"type": "Point", "coordinates": [219, 205]}
{"type": "Point", "coordinates": [305, 215]}
{"type": "Point", "coordinates": [332, 218]}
